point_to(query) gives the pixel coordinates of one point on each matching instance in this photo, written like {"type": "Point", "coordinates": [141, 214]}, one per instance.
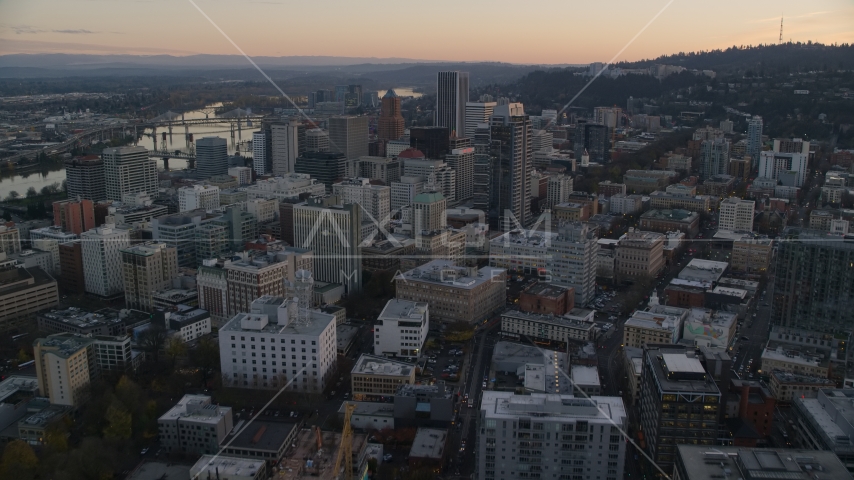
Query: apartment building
{"type": "Point", "coordinates": [102, 260]}
{"type": "Point", "coordinates": [581, 429]}
{"type": "Point", "coordinates": [736, 215]}
{"type": "Point", "coordinates": [198, 197]}
{"type": "Point", "coordinates": [146, 269]}
{"type": "Point", "coordinates": [251, 278]}
{"type": "Point", "coordinates": [639, 254]}
{"type": "Point", "coordinates": [65, 365]}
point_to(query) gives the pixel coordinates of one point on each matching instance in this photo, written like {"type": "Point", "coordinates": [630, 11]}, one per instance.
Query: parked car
{"type": "Point", "coordinates": [387, 457]}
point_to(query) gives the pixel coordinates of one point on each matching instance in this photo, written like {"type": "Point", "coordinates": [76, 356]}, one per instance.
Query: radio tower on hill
{"type": "Point", "coordinates": [780, 40]}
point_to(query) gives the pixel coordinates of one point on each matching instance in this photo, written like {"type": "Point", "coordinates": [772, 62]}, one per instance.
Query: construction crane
{"type": "Point", "coordinates": [345, 449]}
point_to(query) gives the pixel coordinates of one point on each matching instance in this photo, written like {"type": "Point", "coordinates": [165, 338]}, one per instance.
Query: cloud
{"type": "Point", "coordinates": [19, 29]}
{"type": "Point", "coordinates": [74, 32]}
{"type": "Point", "coordinates": [13, 45]}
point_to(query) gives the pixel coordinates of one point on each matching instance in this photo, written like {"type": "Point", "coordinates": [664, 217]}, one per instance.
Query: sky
{"type": "Point", "coordinates": [530, 32]}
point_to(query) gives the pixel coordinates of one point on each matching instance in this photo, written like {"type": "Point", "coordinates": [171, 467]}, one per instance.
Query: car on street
{"type": "Point", "coordinates": [484, 385]}
{"type": "Point", "coordinates": [144, 451]}
{"type": "Point", "coordinates": [387, 457]}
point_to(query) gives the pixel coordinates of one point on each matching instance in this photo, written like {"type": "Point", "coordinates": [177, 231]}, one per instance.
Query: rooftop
{"type": "Point", "coordinates": [708, 463]}
{"type": "Point", "coordinates": [64, 345]}
{"type": "Point", "coordinates": [376, 409]}
{"type": "Point", "coordinates": [221, 466]}
{"type": "Point", "coordinates": [446, 272]}
{"type": "Point", "coordinates": [585, 375]}
{"type": "Point", "coordinates": [562, 321]}
{"type": "Point", "coordinates": [703, 270]}
{"type": "Point", "coordinates": [676, 215]}
{"type": "Point", "coordinates": [397, 309]}
{"type": "Point", "coordinates": [546, 290]}
{"type": "Point", "coordinates": [17, 383]}
{"type": "Point", "coordinates": [376, 365]}
{"type": "Point", "coordinates": [789, 377]}
{"type": "Point", "coordinates": [544, 407]}
{"type": "Point", "coordinates": [679, 375]}
{"type": "Point", "coordinates": [197, 408]}
{"type": "Point", "coordinates": [795, 354]}
{"type": "Point", "coordinates": [429, 443]}
{"type": "Point", "coordinates": [260, 435]}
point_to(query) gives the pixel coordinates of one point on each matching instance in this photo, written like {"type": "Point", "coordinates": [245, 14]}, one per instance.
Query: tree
{"type": "Point", "coordinates": [175, 347]}
{"type": "Point", "coordinates": [119, 422]}
{"type": "Point", "coordinates": [19, 461]}
{"type": "Point", "coordinates": [129, 393]}
{"type": "Point", "coordinates": [206, 357]}
{"type": "Point", "coordinates": [31, 192]}
{"type": "Point", "coordinates": [13, 195]}
{"type": "Point", "coordinates": [153, 339]}
{"type": "Point", "coordinates": [56, 436]}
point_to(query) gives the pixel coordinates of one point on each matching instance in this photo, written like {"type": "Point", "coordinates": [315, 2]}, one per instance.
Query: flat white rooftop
{"type": "Point", "coordinates": [376, 365]}
{"type": "Point", "coordinates": [678, 362]}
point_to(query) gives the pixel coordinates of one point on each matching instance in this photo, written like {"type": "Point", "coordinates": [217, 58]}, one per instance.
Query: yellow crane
{"type": "Point", "coordinates": [345, 449]}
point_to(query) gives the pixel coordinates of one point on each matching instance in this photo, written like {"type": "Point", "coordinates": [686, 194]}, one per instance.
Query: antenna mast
{"type": "Point", "coordinates": [780, 40]}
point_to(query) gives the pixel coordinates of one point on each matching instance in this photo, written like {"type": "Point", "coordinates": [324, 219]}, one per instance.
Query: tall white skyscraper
{"type": "Point", "coordinates": [259, 152]}
{"type": "Point", "coordinates": [754, 137]}
{"type": "Point", "coordinates": [771, 164]}
{"type": "Point", "coordinates": [285, 147]}
{"type": "Point", "coordinates": [102, 260]}
{"type": "Point", "coordinates": [477, 112]}
{"type": "Point", "coordinates": [211, 157]}
{"type": "Point", "coordinates": [452, 95]}
{"type": "Point", "coordinates": [129, 170]}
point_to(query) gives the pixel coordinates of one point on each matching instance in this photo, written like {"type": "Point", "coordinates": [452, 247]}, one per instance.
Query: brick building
{"type": "Point", "coordinates": [547, 298]}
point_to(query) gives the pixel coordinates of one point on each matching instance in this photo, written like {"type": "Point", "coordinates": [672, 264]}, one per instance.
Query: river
{"type": "Point", "coordinates": [20, 182]}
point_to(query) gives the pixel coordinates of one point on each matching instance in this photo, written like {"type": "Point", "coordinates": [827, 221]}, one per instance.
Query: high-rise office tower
{"type": "Point", "coordinates": [714, 157]}
{"type": "Point", "coordinates": [592, 137]}
{"type": "Point", "coordinates": [316, 140]}
{"type": "Point", "coordinates": [212, 285]}
{"type": "Point", "coordinates": [285, 145]}
{"type": "Point", "coordinates": [333, 232]}
{"type": "Point", "coordinates": [477, 113]}
{"type": "Point", "coordinates": [348, 135]}
{"type": "Point", "coordinates": [102, 260]}
{"type": "Point", "coordinates": [510, 134]}
{"type": "Point", "coordinates": [211, 157]}
{"type": "Point", "coordinates": [74, 216]}
{"type": "Point", "coordinates": [128, 170]}
{"type": "Point", "coordinates": [84, 178]}
{"type": "Point", "coordinates": [813, 281]}
{"type": "Point", "coordinates": [482, 177]}
{"type": "Point", "coordinates": [452, 94]}
{"type": "Point", "coordinates": [391, 124]}
{"type": "Point", "coordinates": [259, 152]}
{"type": "Point", "coordinates": [429, 212]}
{"type": "Point", "coordinates": [349, 95]}
{"type": "Point", "coordinates": [432, 141]}
{"type": "Point", "coordinates": [147, 269]}
{"type": "Point", "coordinates": [374, 199]}
{"type": "Point", "coordinates": [461, 159]}
{"type": "Point", "coordinates": [754, 137]}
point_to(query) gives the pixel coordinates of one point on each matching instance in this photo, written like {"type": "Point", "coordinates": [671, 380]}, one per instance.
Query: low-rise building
{"type": "Point", "coordinates": [625, 204]}
{"type": "Point", "coordinates": [370, 415]}
{"type": "Point", "coordinates": [455, 294]}
{"type": "Point", "coordinates": [401, 329]}
{"type": "Point", "coordinates": [227, 467]}
{"type": "Point", "coordinates": [34, 427]}
{"type": "Point", "coordinates": [659, 324]}
{"type": "Point", "coordinates": [540, 370]}
{"type": "Point", "coordinates": [260, 439]}
{"type": "Point", "coordinates": [374, 377]}
{"type": "Point", "coordinates": [705, 327]}
{"type": "Point", "coordinates": [585, 380]}
{"type": "Point", "coordinates": [787, 386]}
{"type": "Point", "coordinates": [664, 221]}
{"type": "Point", "coordinates": [718, 185]}
{"type": "Point", "coordinates": [752, 254]}
{"type": "Point", "coordinates": [789, 358]}
{"type": "Point", "coordinates": [428, 449]}
{"type": "Point", "coordinates": [826, 422]}
{"type": "Point", "coordinates": [564, 328]}
{"type": "Point", "coordinates": [424, 406]}
{"type": "Point", "coordinates": [194, 425]}
{"type": "Point", "coordinates": [694, 203]}
{"type": "Point", "coordinates": [83, 322]}
{"type": "Point", "coordinates": [24, 291]}
{"type": "Point", "coordinates": [633, 359]}
{"type": "Point", "coordinates": [698, 462]}
{"type": "Point", "coordinates": [186, 322]}
{"type": "Point", "coordinates": [639, 254]}
{"type": "Point", "coordinates": [547, 299]}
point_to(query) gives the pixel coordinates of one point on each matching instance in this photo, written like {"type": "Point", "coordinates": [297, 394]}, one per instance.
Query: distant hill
{"type": "Point", "coordinates": [787, 57]}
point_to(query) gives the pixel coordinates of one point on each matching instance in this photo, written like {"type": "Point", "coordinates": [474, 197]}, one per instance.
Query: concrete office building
{"type": "Point", "coordinates": [243, 175]}
{"type": "Point", "coordinates": [773, 164]}
{"type": "Point", "coordinates": [179, 231]}
{"type": "Point", "coordinates": [195, 425]}
{"type": "Point", "coordinates": [337, 254]}
{"type": "Point", "coordinates": [84, 178]}
{"type": "Point", "coordinates": [24, 291]}
{"type": "Point", "coordinates": [316, 140]}
{"type": "Point", "coordinates": [736, 215]}
{"type": "Point", "coordinates": [401, 329]}
{"type": "Point", "coordinates": [659, 324]}
{"type": "Point", "coordinates": [384, 169]}
{"type": "Point", "coordinates": [477, 113]}
{"type": "Point", "coordinates": [752, 254]}
{"type": "Point", "coordinates": [822, 261]}
{"type": "Point", "coordinates": [326, 167]}
{"type": "Point", "coordinates": [102, 260]}
{"type": "Point", "coordinates": [403, 192]}
{"type": "Point", "coordinates": [461, 161]}
{"type": "Point", "coordinates": [452, 96]}
{"type": "Point", "coordinates": [374, 199]}
{"type": "Point", "coordinates": [10, 238]}
{"type": "Point", "coordinates": [285, 146]}
{"type": "Point", "coordinates": [515, 425]}
{"type": "Point", "coordinates": [198, 197]}
{"type": "Point", "coordinates": [559, 188]}
{"type": "Point", "coordinates": [625, 204]}
{"type": "Point", "coordinates": [348, 136]}
{"type": "Point", "coordinates": [128, 170]}
{"type": "Point", "coordinates": [263, 209]}
{"type": "Point", "coordinates": [576, 325]}
{"type": "Point", "coordinates": [211, 157]}
{"type": "Point", "coordinates": [679, 403]}
{"type": "Point", "coordinates": [455, 294]}
{"type": "Point", "coordinates": [374, 377]}
{"type": "Point", "coordinates": [147, 269]}
{"type": "Point", "coordinates": [280, 341]}
{"type": "Point", "coordinates": [290, 185]}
